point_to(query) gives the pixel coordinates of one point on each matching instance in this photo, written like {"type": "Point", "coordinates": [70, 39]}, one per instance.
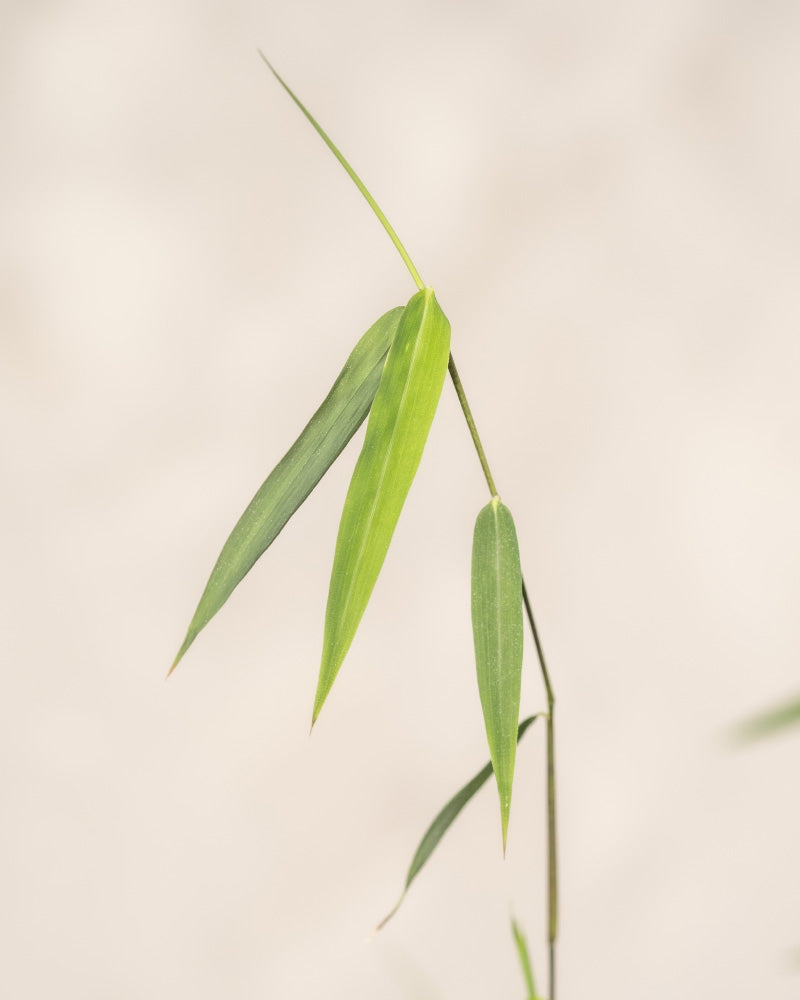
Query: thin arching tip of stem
{"type": "Point", "coordinates": [269, 64]}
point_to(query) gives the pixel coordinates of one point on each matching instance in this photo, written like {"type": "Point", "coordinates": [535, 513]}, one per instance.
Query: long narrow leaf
{"type": "Point", "coordinates": [299, 471]}
{"type": "Point", "coordinates": [770, 722]}
{"type": "Point", "coordinates": [444, 820]}
{"type": "Point", "coordinates": [399, 421]}
{"type": "Point", "coordinates": [524, 959]}
{"type": "Point", "coordinates": [497, 631]}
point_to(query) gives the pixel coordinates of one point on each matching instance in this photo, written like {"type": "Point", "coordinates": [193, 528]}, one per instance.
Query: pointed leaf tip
{"type": "Point", "coordinates": [497, 632]}
{"type": "Point", "coordinates": [523, 954]}
{"type": "Point", "coordinates": [445, 819]}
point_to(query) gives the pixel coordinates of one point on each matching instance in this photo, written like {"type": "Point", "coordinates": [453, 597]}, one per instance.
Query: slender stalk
{"type": "Point", "coordinates": [353, 175]}
{"type": "Point", "coordinates": [552, 874]}
{"type": "Point", "coordinates": [473, 430]}
{"type": "Point", "coordinates": [552, 859]}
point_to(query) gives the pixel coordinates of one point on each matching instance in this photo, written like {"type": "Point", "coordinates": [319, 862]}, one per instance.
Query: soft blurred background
{"type": "Point", "coordinates": [605, 198]}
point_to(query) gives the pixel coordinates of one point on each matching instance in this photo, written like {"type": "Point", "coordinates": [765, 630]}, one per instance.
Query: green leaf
{"type": "Point", "coordinates": [299, 471]}
{"type": "Point", "coordinates": [768, 723]}
{"type": "Point", "coordinates": [398, 426]}
{"type": "Point", "coordinates": [445, 818]}
{"type": "Point", "coordinates": [524, 959]}
{"type": "Point", "coordinates": [497, 631]}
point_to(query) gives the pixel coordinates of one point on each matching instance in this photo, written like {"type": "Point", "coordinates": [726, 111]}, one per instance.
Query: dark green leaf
{"type": "Point", "coordinates": [299, 471]}
{"type": "Point", "coordinates": [444, 820]}
{"type": "Point", "coordinates": [397, 429]}
{"type": "Point", "coordinates": [768, 723]}
{"type": "Point", "coordinates": [497, 630]}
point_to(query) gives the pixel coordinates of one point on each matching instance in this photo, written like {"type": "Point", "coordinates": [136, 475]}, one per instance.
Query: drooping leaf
{"type": "Point", "coordinates": [299, 471]}
{"type": "Point", "coordinates": [397, 429]}
{"type": "Point", "coordinates": [524, 959]}
{"type": "Point", "coordinates": [771, 722]}
{"type": "Point", "coordinates": [497, 631]}
{"type": "Point", "coordinates": [444, 820]}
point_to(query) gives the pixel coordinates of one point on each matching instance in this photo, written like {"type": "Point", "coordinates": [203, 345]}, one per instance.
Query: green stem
{"type": "Point", "coordinates": [353, 175]}
{"type": "Point", "coordinates": [552, 865]}
{"type": "Point", "coordinates": [552, 880]}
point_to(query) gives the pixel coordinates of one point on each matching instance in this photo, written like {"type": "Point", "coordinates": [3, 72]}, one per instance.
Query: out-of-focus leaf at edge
{"type": "Point", "coordinates": [769, 723]}
{"type": "Point", "coordinates": [524, 959]}
{"type": "Point", "coordinates": [399, 421]}
{"type": "Point", "coordinates": [444, 820]}
{"type": "Point", "coordinates": [298, 472]}
{"type": "Point", "coordinates": [497, 631]}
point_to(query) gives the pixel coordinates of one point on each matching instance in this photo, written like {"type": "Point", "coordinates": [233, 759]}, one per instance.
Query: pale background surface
{"type": "Point", "coordinates": [605, 197]}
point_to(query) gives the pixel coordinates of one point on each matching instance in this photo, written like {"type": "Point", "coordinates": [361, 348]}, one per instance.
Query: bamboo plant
{"type": "Point", "coordinates": [393, 379]}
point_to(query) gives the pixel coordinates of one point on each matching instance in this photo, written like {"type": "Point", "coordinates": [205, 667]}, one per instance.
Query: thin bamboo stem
{"type": "Point", "coordinates": [552, 859]}
{"type": "Point", "coordinates": [473, 430]}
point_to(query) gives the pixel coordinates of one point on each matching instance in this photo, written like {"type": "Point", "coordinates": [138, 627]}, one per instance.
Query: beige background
{"type": "Point", "coordinates": [605, 197]}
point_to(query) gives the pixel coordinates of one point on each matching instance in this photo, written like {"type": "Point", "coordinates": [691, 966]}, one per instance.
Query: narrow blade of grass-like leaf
{"type": "Point", "coordinates": [299, 471]}
{"type": "Point", "coordinates": [524, 959]}
{"type": "Point", "coordinates": [399, 421]}
{"type": "Point", "coordinates": [769, 723]}
{"type": "Point", "coordinates": [445, 819]}
{"type": "Point", "coordinates": [497, 631]}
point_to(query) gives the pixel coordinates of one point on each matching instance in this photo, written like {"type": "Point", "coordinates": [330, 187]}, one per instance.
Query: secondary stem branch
{"type": "Point", "coordinates": [552, 866]}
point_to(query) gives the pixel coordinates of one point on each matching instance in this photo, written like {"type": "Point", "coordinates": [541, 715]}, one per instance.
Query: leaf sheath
{"type": "Point", "coordinates": [299, 471]}
{"type": "Point", "coordinates": [398, 426]}
{"type": "Point", "coordinates": [497, 631]}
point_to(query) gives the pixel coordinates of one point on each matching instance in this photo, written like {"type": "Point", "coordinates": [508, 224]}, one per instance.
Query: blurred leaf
{"type": "Point", "coordinates": [497, 630]}
{"type": "Point", "coordinates": [524, 959]}
{"type": "Point", "coordinates": [397, 429]}
{"type": "Point", "coordinates": [444, 820]}
{"type": "Point", "coordinates": [769, 723]}
{"type": "Point", "coordinates": [299, 471]}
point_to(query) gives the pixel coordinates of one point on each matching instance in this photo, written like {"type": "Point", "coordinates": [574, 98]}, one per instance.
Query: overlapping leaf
{"type": "Point", "coordinates": [497, 631]}
{"type": "Point", "coordinates": [445, 819]}
{"type": "Point", "coordinates": [399, 421]}
{"type": "Point", "coordinates": [299, 471]}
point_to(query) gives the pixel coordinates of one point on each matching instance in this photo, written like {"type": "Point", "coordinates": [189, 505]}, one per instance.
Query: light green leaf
{"type": "Point", "coordinates": [774, 720]}
{"type": "Point", "coordinates": [524, 959]}
{"type": "Point", "coordinates": [497, 631]}
{"type": "Point", "coordinates": [299, 471]}
{"type": "Point", "coordinates": [445, 818]}
{"type": "Point", "coordinates": [398, 426]}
